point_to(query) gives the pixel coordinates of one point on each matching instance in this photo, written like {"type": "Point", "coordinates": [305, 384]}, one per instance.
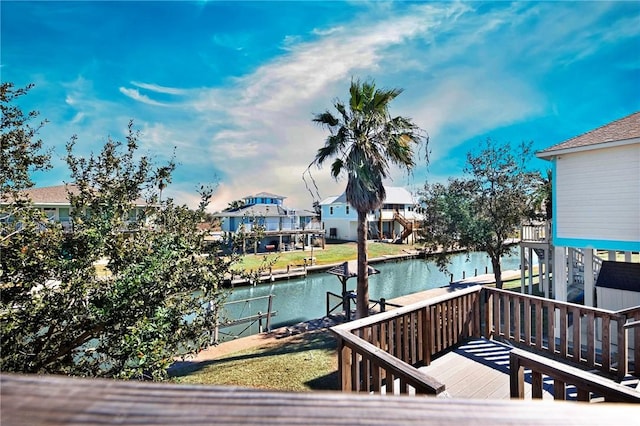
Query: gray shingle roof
{"type": "Point", "coordinates": [57, 195]}
{"type": "Point", "coordinates": [395, 195]}
{"type": "Point", "coordinates": [624, 129]}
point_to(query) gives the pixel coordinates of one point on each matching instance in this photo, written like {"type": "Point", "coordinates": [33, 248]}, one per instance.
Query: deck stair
{"type": "Point", "coordinates": [406, 224]}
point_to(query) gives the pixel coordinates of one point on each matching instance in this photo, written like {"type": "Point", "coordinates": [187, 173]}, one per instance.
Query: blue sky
{"type": "Point", "coordinates": [234, 85]}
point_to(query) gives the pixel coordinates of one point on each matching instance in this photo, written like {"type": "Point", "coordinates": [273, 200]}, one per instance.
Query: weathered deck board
{"type": "Point", "coordinates": [52, 400]}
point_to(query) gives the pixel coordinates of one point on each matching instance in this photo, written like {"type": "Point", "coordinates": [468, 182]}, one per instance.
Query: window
{"type": "Point", "coordinates": [347, 209]}
{"type": "Point", "coordinates": [51, 214]}
{"type": "Point", "coordinates": [330, 210]}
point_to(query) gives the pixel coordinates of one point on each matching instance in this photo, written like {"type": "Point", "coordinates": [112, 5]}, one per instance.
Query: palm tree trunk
{"type": "Point", "coordinates": [362, 298]}
{"type": "Point", "coordinates": [497, 271]}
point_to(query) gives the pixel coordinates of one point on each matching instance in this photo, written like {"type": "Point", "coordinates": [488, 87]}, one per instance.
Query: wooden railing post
{"type": "Point", "coordinates": [516, 378]}
{"type": "Point", "coordinates": [344, 366]}
{"type": "Point", "coordinates": [622, 349]}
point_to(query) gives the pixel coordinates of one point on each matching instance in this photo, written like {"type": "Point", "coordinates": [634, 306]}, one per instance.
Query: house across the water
{"type": "Point", "coordinates": [281, 228]}
{"type": "Point", "coordinates": [397, 219]}
{"type": "Point", "coordinates": [54, 202]}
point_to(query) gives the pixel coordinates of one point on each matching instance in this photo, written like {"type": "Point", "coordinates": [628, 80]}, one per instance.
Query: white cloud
{"type": "Point", "coordinates": [464, 73]}
{"type": "Point", "coordinates": [159, 89]}
{"type": "Point", "coordinates": [137, 96]}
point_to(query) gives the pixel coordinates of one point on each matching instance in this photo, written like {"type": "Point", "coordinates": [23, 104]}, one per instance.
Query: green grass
{"type": "Point", "coordinates": [334, 252]}
{"type": "Point", "coordinates": [305, 363]}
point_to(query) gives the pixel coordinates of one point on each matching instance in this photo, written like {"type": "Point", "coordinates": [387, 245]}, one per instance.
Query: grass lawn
{"type": "Point", "coordinates": [334, 252]}
{"type": "Point", "coordinates": [303, 363]}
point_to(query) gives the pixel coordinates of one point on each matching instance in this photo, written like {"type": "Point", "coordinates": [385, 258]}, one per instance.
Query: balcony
{"type": "Point", "coordinates": [536, 233]}
{"type": "Point", "coordinates": [398, 352]}
{"type": "Point", "coordinates": [382, 355]}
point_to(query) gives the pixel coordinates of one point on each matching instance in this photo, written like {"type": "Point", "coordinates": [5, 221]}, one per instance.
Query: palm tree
{"type": "Point", "coordinates": [365, 141]}
{"type": "Point", "coordinates": [163, 178]}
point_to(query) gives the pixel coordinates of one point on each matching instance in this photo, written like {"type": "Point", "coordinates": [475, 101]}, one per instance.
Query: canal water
{"type": "Point", "coordinates": [303, 299]}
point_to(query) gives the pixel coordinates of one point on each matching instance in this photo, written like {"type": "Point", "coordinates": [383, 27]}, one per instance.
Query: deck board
{"type": "Point", "coordinates": [476, 370]}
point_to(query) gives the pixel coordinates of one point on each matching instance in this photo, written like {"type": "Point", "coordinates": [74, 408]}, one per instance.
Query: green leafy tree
{"type": "Point", "coordinates": [365, 141]}
{"type": "Point", "coordinates": [20, 152]}
{"type": "Point", "coordinates": [543, 197]}
{"type": "Point", "coordinates": [151, 303]}
{"type": "Point", "coordinates": [482, 211]}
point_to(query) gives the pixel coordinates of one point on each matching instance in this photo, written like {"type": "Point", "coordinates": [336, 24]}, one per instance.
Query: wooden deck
{"type": "Point", "coordinates": [478, 369]}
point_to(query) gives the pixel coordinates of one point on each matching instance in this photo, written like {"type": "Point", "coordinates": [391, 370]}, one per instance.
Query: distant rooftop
{"type": "Point", "coordinates": [265, 195]}
{"type": "Point", "coordinates": [624, 129]}
{"type": "Point", "coordinates": [50, 194]}
{"type": "Point", "coordinates": [57, 195]}
{"type": "Point", "coordinates": [395, 195]}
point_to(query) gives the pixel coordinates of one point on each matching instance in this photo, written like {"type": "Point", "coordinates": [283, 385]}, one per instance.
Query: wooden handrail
{"type": "Point", "coordinates": [384, 347]}
{"type": "Point", "coordinates": [392, 366]}
{"type": "Point", "coordinates": [57, 400]}
{"type": "Point", "coordinates": [631, 310]}
{"type": "Point", "coordinates": [389, 315]}
{"type": "Point", "coordinates": [632, 324]}
{"type": "Point", "coordinates": [586, 337]}
{"type": "Point", "coordinates": [560, 330]}
{"type": "Point", "coordinates": [585, 382]}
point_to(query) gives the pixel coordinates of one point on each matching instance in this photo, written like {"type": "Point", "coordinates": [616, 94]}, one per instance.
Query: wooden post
{"type": "Point", "coordinates": [328, 301]}
{"type": "Point", "coordinates": [522, 269]}
{"type": "Point", "coordinates": [216, 329]}
{"type": "Point", "coordinates": [382, 304]}
{"type": "Point", "coordinates": [622, 349]}
{"type": "Point", "coordinates": [346, 305]}
{"type": "Point", "coordinates": [269, 310]}
{"type": "Point", "coordinates": [516, 378]}
{"type": "Point", "coordinates": [559, 390]}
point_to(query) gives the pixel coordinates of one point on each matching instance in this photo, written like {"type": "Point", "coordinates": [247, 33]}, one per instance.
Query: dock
{"type": "Point", "coordinates": [455, 285]}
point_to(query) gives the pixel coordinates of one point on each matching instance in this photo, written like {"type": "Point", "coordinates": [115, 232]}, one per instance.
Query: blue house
{"type": "Point", "coordinates": [283, 228]}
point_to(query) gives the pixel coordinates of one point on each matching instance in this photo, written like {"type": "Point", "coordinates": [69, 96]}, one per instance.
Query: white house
{"type": "Point", "coordinates": [396, 220]}
{"type": "Point", "coordinates": [596, 206]}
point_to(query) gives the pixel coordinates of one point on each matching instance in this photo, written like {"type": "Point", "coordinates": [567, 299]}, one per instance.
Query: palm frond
{"type": "Point", "coordinates": [336, 168]}
{"type": "Point", "coordinates": [327, 119]}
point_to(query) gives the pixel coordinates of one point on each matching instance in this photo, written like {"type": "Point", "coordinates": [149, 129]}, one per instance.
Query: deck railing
{"type": "Point", "coordinates": [589, 337]}
{"type": "Point", "coordinates": [536, 233]}
{"type": "Point", "coordinates": [376, 351]}
{"type": "Point", "coordinates": [588, 385]}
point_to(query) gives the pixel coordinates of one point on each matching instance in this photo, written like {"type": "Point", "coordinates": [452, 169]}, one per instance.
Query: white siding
{"type": "Point", "coordinates": [615, 300]}
{"type": "Point", "coordinates": [598, 194]}
{"type": "Point", "coordinates": [343, 227]}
